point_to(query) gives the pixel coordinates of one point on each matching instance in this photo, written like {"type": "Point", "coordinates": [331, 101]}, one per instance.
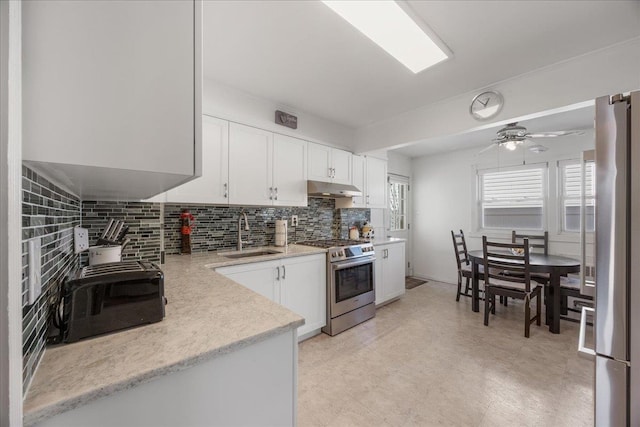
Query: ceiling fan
{"type": "Point", "coordinates": [513, 135]}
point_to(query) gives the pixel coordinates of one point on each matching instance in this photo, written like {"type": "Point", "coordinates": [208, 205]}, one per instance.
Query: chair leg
{"type": "Point", "coordinates": [505, 301]}
{"type": "Point", "coordinates": [564, 303]}
{"type": "Point", "coordinates": [538, 309]}
{"type": "Point", "coordinates": [527, 319]}
{"type": "Point", "coordinates": [487, 298]}
{"type": "Point", "coordinates": [547, 311]}
{"type": "Point", "coordinates": [459, 287]}
{"type": "Point", "coordinates": [467, 287]}
{"type": "Point", "coordinates": [493, 303]}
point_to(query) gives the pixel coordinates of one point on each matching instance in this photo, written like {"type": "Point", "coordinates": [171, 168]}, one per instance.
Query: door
{"type": "Point", "coordinates": [289, 171]}
{"type": "Point", "coordinates": [376, 183]}
{"type": "Point", "coordinates": [212, 186]}
{"type": "Point", "coordinates": [341, 164]}
{"type": "Point", "coordinates": [250, 161]}
{"type": "Point", "coordinates": [319, 162]}
{"type": "Point", "coordinates": [304, 290]}
{"type": "Point", "coordinates": [398, 220]}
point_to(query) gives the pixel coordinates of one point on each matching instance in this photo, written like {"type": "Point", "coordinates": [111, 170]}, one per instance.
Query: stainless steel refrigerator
{"type": "Point", "coordinates": [617, 261]}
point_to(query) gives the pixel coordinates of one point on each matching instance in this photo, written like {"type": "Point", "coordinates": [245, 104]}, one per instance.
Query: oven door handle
{"type": "Point", "coordinates": [343, 264]}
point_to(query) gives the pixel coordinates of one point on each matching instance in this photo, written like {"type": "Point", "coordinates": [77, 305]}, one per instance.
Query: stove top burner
{"type": "Point", "coordinates": [332, 243]}
{"type": "Point", "coordinates": [343, 249]}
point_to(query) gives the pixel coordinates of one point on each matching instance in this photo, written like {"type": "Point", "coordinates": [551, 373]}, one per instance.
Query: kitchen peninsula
{"type": "Point", "coordinates": [220, 350]}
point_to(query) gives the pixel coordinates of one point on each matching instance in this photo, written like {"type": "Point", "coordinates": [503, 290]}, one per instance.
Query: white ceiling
{"type": "Point", "coordinates": [302, 55]}
{"type": "Point", "coordinates": [569, 119]}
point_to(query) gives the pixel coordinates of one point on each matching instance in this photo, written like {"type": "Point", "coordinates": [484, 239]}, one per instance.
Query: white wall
{"type": "Point", "coordinates": [604, 72]}
{"type": "Point", "coordinates": [444, 200]}
{"type": "Point", "coordinates": [235, 105]}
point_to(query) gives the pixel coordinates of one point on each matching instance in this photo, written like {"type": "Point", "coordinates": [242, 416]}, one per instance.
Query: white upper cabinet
{"type": "Point", "coordinates": [250, 165]}
{"type": "Point", "coordinates": [376, 188]}
{"type": "Point", "coordinates": [112, 94]}
{"type": "Point", "coordinates": [266, 168]}
{"type": "Point", "coordinates": [328, 164]}
{"type": "Point", "coordinates": [213, 186]}
{"type": "Point", "coordinates": [289, 171]}
{"type": "Point", "coordinates": [370, 176]}
{"type": "Point", "coordinates": [359, 180]}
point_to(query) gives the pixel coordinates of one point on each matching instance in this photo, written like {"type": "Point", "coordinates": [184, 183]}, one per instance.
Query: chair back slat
{"type": "Point", "coordinates": [461, 254]}
{"type": "Point", "coordinates": [536, 241]}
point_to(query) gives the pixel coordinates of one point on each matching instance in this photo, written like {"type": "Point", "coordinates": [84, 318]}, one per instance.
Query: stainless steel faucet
{"type": "Point", "coordinates": [246, 227]}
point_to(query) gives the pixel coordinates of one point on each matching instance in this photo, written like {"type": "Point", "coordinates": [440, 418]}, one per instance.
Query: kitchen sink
{"type": "Point", "coordinates": [249, 254]}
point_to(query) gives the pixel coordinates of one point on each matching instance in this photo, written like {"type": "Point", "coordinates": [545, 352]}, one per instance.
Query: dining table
{"type": "Point", "coordinates": [555, 266]}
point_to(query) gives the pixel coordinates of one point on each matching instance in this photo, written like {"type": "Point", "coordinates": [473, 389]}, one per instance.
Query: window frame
{"type": "Point", "coordinates": [401, 180]}
{"type": "Point", "coordinates": [561, 193]}
{"type": "Point", "coordinates": [544, 166]}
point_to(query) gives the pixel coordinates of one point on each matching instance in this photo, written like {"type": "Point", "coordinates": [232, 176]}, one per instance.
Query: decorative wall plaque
{"type": "Point", "coordinates": [286, 119]}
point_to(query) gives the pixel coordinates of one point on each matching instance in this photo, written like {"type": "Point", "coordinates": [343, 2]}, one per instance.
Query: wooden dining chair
{"type": "Point", "coordinates": [499, 258]}
{"type": "Point", "coordinates": [539, 242]}
{"type": "Point", "coordinates": [464, 265]}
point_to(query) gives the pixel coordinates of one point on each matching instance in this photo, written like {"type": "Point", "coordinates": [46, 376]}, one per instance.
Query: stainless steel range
{"type": "Point", "coordinates": [350, 283]}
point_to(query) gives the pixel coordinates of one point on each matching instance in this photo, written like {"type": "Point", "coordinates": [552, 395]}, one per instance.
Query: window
{"type": "Point", "coordinates": [570, 194]}
{"type": "Point", "coordinates": [513, 198]}
{"type": "Point", "coordinates": [398, 194]}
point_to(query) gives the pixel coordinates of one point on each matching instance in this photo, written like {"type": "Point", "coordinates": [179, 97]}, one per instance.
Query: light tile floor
{"type": "Point", "coordinates": [426, 360]}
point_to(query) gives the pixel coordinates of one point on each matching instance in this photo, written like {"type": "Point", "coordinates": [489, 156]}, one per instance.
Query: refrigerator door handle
{"type": "Point", "coordinates": [583, 350]}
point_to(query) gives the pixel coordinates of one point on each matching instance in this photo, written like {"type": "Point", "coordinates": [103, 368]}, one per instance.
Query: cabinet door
{"type": "Point", "coordinates": [289, 171]}
{"type": "Point", "coordinates": [379, 285]}
{"type": "Point", "coordinates": [341, 163]}
{"type": "Point", "coordinates": [258, 276]}
{"type": "Point", "coordinates": [359, 180]}
{"type": "Point", "coordinates": [304, 290]}
{"type": "Point", "coordinates": [376, 183]}
{"type": "Point", "coordinates": [250, 160]}
{"type": "Point", "coordinates": [111, 84]}
{"type": "Point", "coordinates": [393, 271]}
{"type": "Point", "coordinates": [212, 186]}
{"type": "Point", "coordinates": [319, 162]}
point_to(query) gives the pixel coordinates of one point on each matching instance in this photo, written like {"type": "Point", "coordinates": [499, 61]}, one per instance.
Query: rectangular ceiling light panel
{"type": "Point", "coordinates": [387, 25]}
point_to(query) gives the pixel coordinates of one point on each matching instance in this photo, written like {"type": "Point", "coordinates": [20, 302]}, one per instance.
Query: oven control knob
{"type": "Point", "coordinates": [333, 254]}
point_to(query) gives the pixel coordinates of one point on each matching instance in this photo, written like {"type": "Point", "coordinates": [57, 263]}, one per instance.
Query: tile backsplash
{"type": "Point", "coordinates": [48, 213]}
{"type": "Point", "coordinates": [142, 218]}
{"type": "Point", "coordinates": [216, 227]}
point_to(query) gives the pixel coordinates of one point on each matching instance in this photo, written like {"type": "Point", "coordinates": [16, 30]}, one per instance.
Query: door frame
{"type": "Point", "coordinates": [10, 214]}
{"type": "Point", "coordinates": [405, 234]}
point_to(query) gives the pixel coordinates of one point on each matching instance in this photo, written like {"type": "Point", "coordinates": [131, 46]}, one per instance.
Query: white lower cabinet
{"type": "Point", "coordinates": [298, 283]}
{"type": "Point", "coordinates": [389, 270]}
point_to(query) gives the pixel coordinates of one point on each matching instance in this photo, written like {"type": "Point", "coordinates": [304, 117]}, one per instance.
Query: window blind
{"type": "Point", "coordinates": [513, 198]}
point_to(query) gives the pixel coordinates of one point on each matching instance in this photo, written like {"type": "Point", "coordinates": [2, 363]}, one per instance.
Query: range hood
{"type": "Point", "coordinates": [331, 190]}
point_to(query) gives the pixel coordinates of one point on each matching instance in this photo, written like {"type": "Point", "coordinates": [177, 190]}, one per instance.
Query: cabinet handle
{"type": "Point", "coordinates": [277, 198]}
{"type": "Point", "coordinates": [278, 268]}
{"type": "Point", "coordinates": [270, 193]}
{"type": "Point", "coordinates": [334, 173]}
{"type": "Point", "coordinates": [329, 174]}
{"type": "Point", "coordinates": [226, 192]}
{"type": "Point", "coordinates": [284, 272]}
{"type": "Point", "coordinates": [368, 198]}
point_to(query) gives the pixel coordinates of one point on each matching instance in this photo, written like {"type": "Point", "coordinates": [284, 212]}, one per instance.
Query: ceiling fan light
{"type": "Point", "coordinates": [510, 145]}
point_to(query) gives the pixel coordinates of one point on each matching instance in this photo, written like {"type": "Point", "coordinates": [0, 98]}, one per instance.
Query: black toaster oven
{"type": "Point", "coordinates": [110, 297]}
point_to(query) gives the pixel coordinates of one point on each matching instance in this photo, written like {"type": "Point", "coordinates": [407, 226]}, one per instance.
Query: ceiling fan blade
{"type": "Point", "coordinates": [489, 147]}
{"type": "Point", "coordinates": [555, 134]}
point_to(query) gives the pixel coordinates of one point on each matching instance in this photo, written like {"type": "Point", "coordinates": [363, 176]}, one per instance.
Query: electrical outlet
{"type": "Point", "coordinates": [294, 220]}
{"type": "Point", "coordinates": [35, 269]}
{"type": "Point", "coordinates": [80, 239]}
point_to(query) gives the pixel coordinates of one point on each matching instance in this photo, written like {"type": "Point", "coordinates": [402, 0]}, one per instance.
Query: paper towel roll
{"type": "Point", "coordinates": [281, 232]}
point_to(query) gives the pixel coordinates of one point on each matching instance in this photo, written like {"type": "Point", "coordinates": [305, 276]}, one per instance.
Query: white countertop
{"type": "Point", "coordinates": [207, 315]}
{"type": "Point", "coordinates": [385, 240]}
